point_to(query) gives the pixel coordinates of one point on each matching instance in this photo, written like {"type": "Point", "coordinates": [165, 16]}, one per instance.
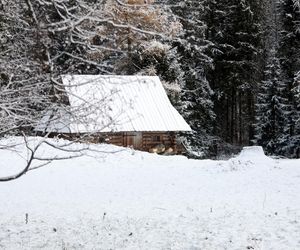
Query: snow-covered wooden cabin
{"type": "Point", "coordinates": [129, 111]}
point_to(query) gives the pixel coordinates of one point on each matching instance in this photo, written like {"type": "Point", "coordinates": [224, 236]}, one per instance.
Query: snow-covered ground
{"type": "Point", "coordinates": [135, 200]}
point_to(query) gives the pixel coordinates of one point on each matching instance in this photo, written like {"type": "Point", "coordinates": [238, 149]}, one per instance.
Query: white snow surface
{"type": "Point", "coordinates": [127, 199]}
{"type": "Point", "coordinates": [105, 103]}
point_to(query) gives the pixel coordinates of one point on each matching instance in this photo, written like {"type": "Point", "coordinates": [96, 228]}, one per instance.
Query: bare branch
{"type": "Point", "coordinates": [32, 12]}
{"type": "Point", "coordinates": [24, 171]}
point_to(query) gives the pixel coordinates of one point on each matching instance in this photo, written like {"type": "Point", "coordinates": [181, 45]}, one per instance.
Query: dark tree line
{"type": "Point", "coordinates": [249, 84]}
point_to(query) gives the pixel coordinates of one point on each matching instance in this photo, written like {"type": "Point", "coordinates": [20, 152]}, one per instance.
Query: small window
{"type": "Point", "coordinates": [101, 139]}
{"type": "Point", "coordinates": [156, 138]}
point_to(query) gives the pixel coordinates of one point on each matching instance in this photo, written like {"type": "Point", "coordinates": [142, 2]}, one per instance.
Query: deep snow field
{"type": "Point", "coordinates": [127, 199]}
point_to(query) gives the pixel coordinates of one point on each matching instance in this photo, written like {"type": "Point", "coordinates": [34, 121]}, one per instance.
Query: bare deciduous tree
{"type": "Point", "coordinates": [43, 39]}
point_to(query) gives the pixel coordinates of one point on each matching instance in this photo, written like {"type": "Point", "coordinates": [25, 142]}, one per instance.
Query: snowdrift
{"type": "Point", "coordinates": [249, 157]}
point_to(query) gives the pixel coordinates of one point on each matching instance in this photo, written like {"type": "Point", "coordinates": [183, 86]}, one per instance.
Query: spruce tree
{"type": "Point", "coordinates": [234, 28]}
{"type": "Point", "coordinates": [289, 54]}
{"type": "Point", "coordinates": [196, 96]}
{"type": "Point", "coordinates": [272, 109]}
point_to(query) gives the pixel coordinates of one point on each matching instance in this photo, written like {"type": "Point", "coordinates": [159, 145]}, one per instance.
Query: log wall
{"type": "Point", "coordinates": [144, 141]}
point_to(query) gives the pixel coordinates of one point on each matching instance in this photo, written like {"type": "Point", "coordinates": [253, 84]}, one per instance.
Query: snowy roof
{"type": "Point", "coordinates": [108, 103]}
